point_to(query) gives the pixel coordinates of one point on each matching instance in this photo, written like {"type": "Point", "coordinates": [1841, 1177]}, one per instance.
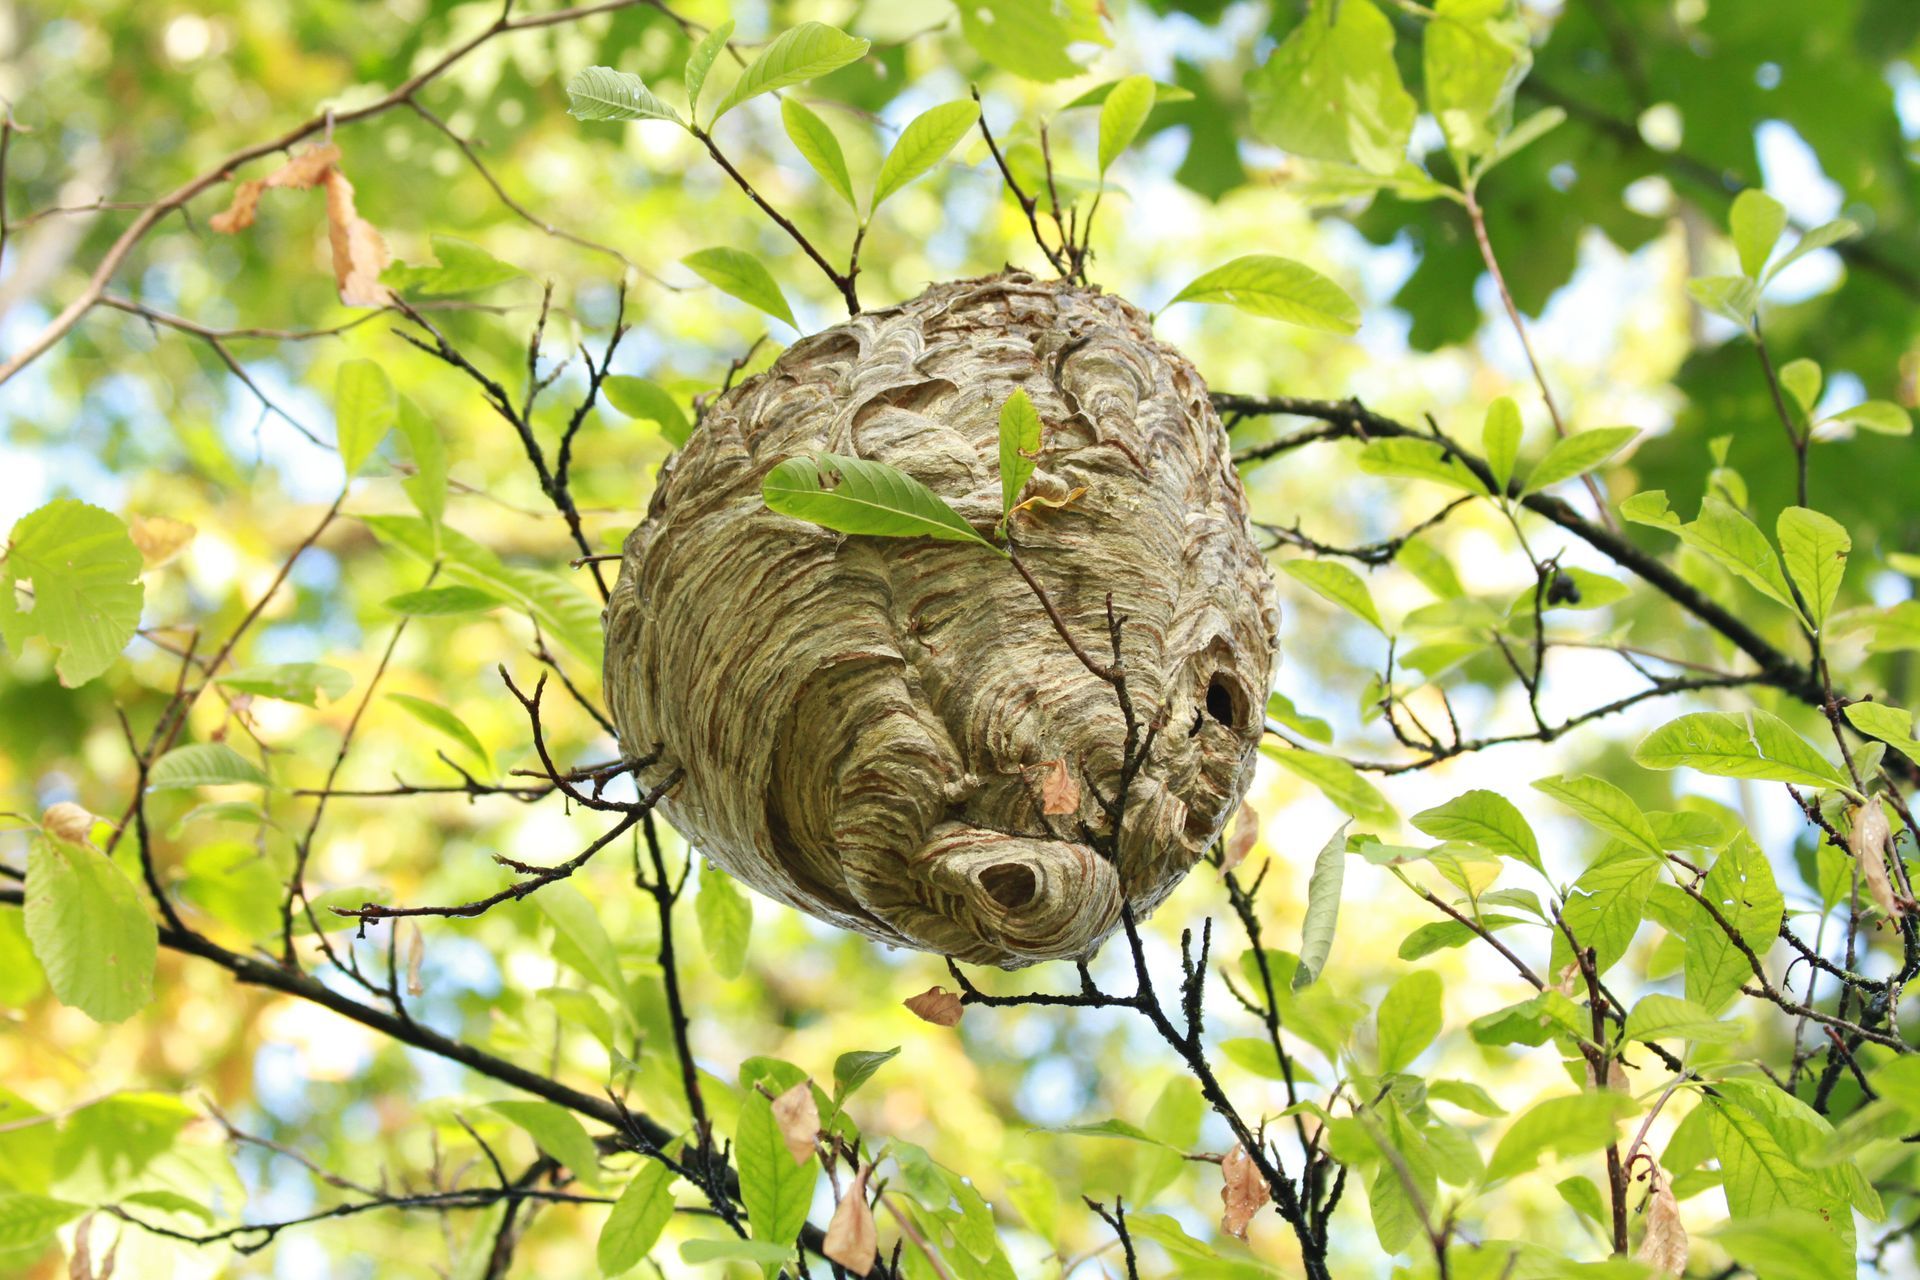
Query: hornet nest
{"type": "Point", "coordinates": [865, 724]}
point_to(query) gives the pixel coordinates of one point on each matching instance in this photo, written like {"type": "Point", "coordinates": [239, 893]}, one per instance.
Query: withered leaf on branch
{"type": "Point", "coordinates": [936, 1005]}
{"type": "Point", "coordinates": [1059, 789]}
{"type": "Point", "coordinates": [1868, 844]}
{"type": "Point", "coordinates": [1664, 1246]}
{"type": "Point", "coordinates": [799, 1119]}
{"type": "Point", "coordinates": [851, 1240]}
{"type": "Point", "coordinates": [68, 821]}
{"type": "Point", "coordinates": [416, 957]}
{"type": "Point", "coordinates": [359, 250]}
{"type": "Point", "coordinates": [1242, 1192]}
{"type": "Point", "coordinates": [1246, 833]}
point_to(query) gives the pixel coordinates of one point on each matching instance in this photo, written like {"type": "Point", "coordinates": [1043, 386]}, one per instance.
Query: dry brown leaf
{"type": "Point", "coordinates": [1616, 1076]}
{"type": "Point", "coordinates": [159, 538]}
{"type": "Point", "coordinates": [359, 250]}
{"type": "Point", "coordinates": [1042, 500]}
{"type": "Point", "coordinates": [301, 172]}
{"type": "Point", "coordinates": [936, 1005]}
{"type": "Point", "coordinates": [1664, 1246]}
{"type": "Point", "coordinates": [1868, 843]}
{"type": "Point", "coordinates": [851, 1240]}
{"type": "Point", "coordinates": [1246, 833]}
{"type": "Point", "coordinates": [1059, 789]}
{"type": "Point", "coordinates": [416, 956]}
{"type": "Point", "coordinates": [69, 822]}
{"type": "Point", "coordinates": [238, 215]}
{"type": "Point", "coordinates": [1242, 1192]}
{"type": "Point", "coordinates": [799, 1119]}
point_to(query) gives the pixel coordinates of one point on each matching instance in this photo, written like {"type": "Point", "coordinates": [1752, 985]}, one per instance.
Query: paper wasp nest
{"type": "Point", "coordinates": [865, 724]}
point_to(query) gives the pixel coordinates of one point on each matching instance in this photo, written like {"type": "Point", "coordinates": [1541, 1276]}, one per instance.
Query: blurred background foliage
{"type": "Point", "coordinates": [1673, 105]}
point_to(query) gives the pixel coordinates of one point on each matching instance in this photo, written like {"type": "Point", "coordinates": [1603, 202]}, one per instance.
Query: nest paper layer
{"type": "Point", "coordinates": [865, 723]}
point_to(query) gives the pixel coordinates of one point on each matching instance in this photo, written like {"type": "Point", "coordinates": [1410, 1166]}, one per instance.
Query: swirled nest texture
{"type": "Point", "coordinates": [867, 727]}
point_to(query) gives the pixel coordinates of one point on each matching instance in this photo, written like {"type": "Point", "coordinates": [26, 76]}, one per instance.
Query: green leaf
{"type": "Point", "coordinates": [581, 941]}
{"type": "Point", "coordinates": [1336, 582]}
{"type": "Point", "coordinates": [1032, 39]}
{"type": "Point", "coordinates": [1756, 221]}
{"type": "Point", "coordinates": [1261, 284]}
{"type": "Point", "coordinates": [1019, 447]}
{"type": "Point", "coordinates": [204, 764]}
{"type": "Point", "coordinates": [1767, 1150]}
{"type": "Point", "coordinates": [1531, 1022]}
{"type": "Point", "coordinates": [427, 486]}
{"type": "Point", "coordinates": [31, 1220]}
{"type": "Point", "coordinates": [1822, 236]}
{"type": "Point", "coordinates": [438, 602]}
{"type": "Point", "coordinates": [1722, 533]}
{"type": "Point", "coordinates": [1801, 378]}
{"type": "Point", "coordinates": [1485, 818]}
{"type": "Point", "coordinates": [775, 1190]}
{"type": "Point", "coordinates": [923, 144]}
{"type": "Point", "coordinates": [1339, 781]}
{"type": "Point", "coordinates": [89, 930]}
{"type": "Point", "coordinates": [817, 144]}
{"type": "Point", "coordinates": [1528, 131]}
{"type": "Point", "coordinates": [741, 275]}
{"type": "Point", "coordinates": [365, 409]}
{"type": "Point", "coordinates": [1323, 908]}
{"type": "Point", "coordinates": [84, 575]}
{"type": "Point", "coordinates": [1476, 54]}
{"type": "Point", "coordinates": [728, 1249]}
{"type": "Point", "coordinates": [435, 716]}
{"type": "Point", "coordinates": [558, 1133]}
{"type": "Point", "coordinates": [852, 495]}
{"type": "Point", "coordinates": [1889, 724]}
{"type": "Point", "coordinates": [1733, 297]}
{"type": "Point", "coordinates": [1164, 94]}
{"type": "Point", "coordinates": [1584, 1198]}
{"type": "Point", "coordinates": [1607, 807]}
{"type": "Point", "coordinates": [1578, 454]}
{"type": "Point", "coordinates": [1441, 935]}
{"type": "Point", "coordinates": [463, 267]}
{"type": "Point", "coordinates": [601, 93]}
{"type": "Point", "coordinates": [808, 50]}
{"type": "Point", "coordinates": [639, 1216]}
{"type": "Point", "coordinates": [1815, 547]}
{"type": "Point", "coordinates": [1741, 887]}
{"type": "Point", "coordinates": [701, 61]}
{"type": "Point", "coordinates": [1756, 744]}
{"type": "Point", "coordinates": [1121, 116]}
{"type": "Point", "coordinates": [1882, 417]}
{"type": "Point", "coordinates": [1280, 708]}
{"type": "Point", "coordinates": [1787, 1244]}
{"type": "Point", "coordinates": [726, 921]}
{"type": "Point", "coordinates": [1419, 460]}
{"type": "Point", "coordinates": [648, 401]}
{"type": "Point", "coordinates": [1566, 1126]}
{"type": "Point", "coordinates": [1332, 90]}
{"type": "Point", "coordinates": [1663, 1017]}
{"type": "Point", "coordinates": [1501, 440]}
{"type": "Point", "coordinates": [1408, 1019]}
{"type": "Point", "coordinates": [300, 682]}
{"type": "Point", "coordinates": [1466, 1095]}
{"type": "Point", "coordinates": [1605, 908]}
{"type": "Point", "coordinates": [853, 1069]}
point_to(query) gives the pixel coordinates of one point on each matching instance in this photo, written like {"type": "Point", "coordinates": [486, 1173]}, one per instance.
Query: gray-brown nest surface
{"type": "Point", "coordinates": [865, 724]}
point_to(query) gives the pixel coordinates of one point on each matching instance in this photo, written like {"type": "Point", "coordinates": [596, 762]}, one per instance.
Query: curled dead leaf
{"type": "Point", "coordinates": [1059, 789]}
{"type": "Point", "coordinates": [1242, 1192]}
{"type": "Point", "coordinates": [359, 251]}
{"type": "Point", "coordinates": [159, 538]}
{"type": "Point", "coordinates": [1868, 844]}
{"type": "Point", "coordinates": [1053, 504]}
{"type": "Point", "coordinates": [299, 173]}
{"type": "Point", "coordinates": [416, 956]}
{"type": "Point", "coordinates": [799, 1119]}
{"type": "Point", "coordinates": [851, 1240]}
{"type": "Point", "coordinates": [1664, 1246]}
{"type": "Point", "coordinates": [1246, 833]}
{"type": "Point", "coordinates": [69, 822]}
{"type": "Point", "coordinates": [936, 1005]}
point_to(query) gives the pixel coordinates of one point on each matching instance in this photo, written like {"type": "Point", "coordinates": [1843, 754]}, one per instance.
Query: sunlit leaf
{"type": "Point", "coordinates": [818, 146]}
{"type": "Point", "coordinates": [71, 576]}
{"type": "Point", "coordinates": [1332, 90]}
{"type": "Point", "coordinates": [726, 921]}
{"type": "Point", "coordinates": [741, 275]}
{"type": "Point", "coordinates": [1121, 115]}
{"type": "Point", "coordinates": [601, 93]}
{"type": "Point", "coordinates": [90, 931]}
{"type": "Point", "coordinates": [802, 53]}
{"type": "Point", "coordinates": [205, 764]}
{"type": "Point", "coordinates": [852, 495]}
{"type": "Point", "coordinates": [1277, 288]}
{"type": "Point", "coordinates": [923, 144]}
